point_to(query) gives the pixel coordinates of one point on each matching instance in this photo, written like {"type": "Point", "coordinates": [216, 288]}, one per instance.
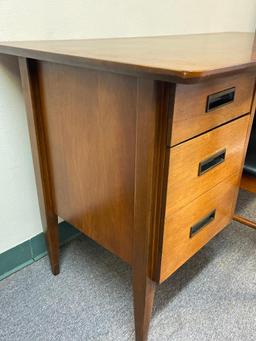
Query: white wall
{"type": "Point", "coordinates": [65, 19]}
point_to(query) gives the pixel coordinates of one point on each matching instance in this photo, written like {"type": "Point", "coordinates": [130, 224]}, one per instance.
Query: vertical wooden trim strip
{"type": "Point", "coordinates": [143, 287]}
{"type": "Point", "coordinates": [28, 71]}
{"type": "Point", "coordinates": [165, 105]}
{"type": "Point", "coordinates": [150, 161]}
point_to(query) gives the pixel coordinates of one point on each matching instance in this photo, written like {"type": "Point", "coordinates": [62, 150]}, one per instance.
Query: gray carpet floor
{"type": "Point", "coordinates": [212, 297]}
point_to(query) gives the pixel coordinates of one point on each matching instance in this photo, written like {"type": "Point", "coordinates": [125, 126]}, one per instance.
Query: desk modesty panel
{"type": "Point", "coordinates": [139, 143]}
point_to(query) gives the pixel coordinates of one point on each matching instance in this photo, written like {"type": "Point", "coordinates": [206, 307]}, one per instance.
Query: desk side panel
{"type": "Point", "coordinates": [90, 123]}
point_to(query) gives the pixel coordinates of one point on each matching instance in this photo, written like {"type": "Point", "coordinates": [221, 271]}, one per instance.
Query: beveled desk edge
{"type": "Point", "coordinates": [170, 73]}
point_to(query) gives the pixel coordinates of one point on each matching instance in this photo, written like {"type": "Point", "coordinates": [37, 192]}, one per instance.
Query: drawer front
{"type": "Point", "coordinates": [203, 162]}
{"type": "Point", "coordinates": [201, 107]}
{"type": "Point", "coordinates": [187, 230]}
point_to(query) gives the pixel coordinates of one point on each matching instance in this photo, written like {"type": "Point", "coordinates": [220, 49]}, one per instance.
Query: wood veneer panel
{"type": "Point", "coordinates": [178, 247]}
{"type": "Point", "coordinates": [190, 117]}
{"type": "Point", "coordinates": [90, 120]}
{"type": "Point", "coordinates": [184, 182]}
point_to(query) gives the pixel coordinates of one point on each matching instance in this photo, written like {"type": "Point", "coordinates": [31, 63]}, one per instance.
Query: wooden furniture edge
{"type": "Point", "coordinates": [182, 76]}
{"type": "Point", "coordinates": [165, 110]}
{"type": "Point", "coordinates": [151, 156]}
{"type": "Point", "coordinates": [31, 94]}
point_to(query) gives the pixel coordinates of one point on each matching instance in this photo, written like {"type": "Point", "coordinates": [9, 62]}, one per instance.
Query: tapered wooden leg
{"type": "Point", "coordinates": [52, 240]}
{"type": "Point", "coordinates": [143, 296]}
{"type": "Point", "coordinates": [29, 79]}
{"type": "Point", "coordinates": [151, 132]}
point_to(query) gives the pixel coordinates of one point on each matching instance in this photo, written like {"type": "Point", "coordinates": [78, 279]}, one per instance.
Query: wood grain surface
{"type": "Point", "coordinates": [178, 247]}
{"type": "Point", "coordinates": [90, 121]}
{"type": "Point", "coordinates": [184, 183]}
{"type": "Point", "coordinates": [190, 117]}
{"type": "Point", "coordinates": [181, 58]}
{"type": "Point", "coordinates": [40, 153]}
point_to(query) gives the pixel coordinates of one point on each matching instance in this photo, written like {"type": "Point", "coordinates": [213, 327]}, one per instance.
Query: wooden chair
{"type": "Point", "coordinates": [248, 181]}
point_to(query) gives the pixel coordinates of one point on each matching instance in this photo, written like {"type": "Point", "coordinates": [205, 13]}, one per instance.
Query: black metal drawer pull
{"type": "Point", "coordinates": [219, 99]}
{"type": "Point", "coordinates": [211, 162]}
{"type": "Point", "coordinates": [202, 223]}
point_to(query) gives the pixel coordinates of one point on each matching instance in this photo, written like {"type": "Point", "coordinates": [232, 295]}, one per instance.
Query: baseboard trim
{"type": "Point", "coordinates": [32, 250]}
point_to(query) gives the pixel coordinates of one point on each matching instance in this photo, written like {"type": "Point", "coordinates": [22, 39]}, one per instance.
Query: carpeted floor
{"type": "Point", "coordinates": [212, 297]}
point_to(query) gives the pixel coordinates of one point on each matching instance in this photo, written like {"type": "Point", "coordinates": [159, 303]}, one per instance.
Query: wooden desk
{"type": "Point", "coordinates": [139, 143]}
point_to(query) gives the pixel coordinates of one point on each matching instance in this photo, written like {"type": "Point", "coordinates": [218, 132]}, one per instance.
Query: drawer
{"type": "Point", "coordinates": [203, 162]}
{"type": "Point", "coordinates": [201, 107]}
{"type": "Point", "coordinates": [190, 228]}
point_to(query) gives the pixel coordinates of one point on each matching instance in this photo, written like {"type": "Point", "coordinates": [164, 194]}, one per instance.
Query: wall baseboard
{"type": "Point", "coordinates": [32, 250]}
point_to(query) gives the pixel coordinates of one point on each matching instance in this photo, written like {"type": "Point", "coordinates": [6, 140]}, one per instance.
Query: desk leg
{"type": "Point", "coordinates": [29, 74]}
{"type": "Point", "coordinates": [143, 287]}
{"type": "Point", "coordinates": [151, 135]}
{"type": "Point", "coordinates": [143, 298]}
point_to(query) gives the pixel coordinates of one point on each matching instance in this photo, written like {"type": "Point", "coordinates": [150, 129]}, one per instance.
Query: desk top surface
{"type": "Point", "coordinates": [181, 58]}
